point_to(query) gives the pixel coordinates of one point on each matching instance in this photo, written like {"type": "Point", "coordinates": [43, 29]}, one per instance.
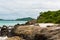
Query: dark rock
{"type": "Point", "coordinates": [0, 31]}
{"type": "Point", "coordinates": [4, 30]}
{"type": "Point", "coordinates": [30, 22]}
{"type": "Point", "coordinates": [40, 37]}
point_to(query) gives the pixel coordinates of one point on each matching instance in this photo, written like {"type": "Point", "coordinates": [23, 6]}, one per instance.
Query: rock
{"type": "Point", "coordinates": [14, 38]}
{"type": "Point", "coordinates": [48, 34]}
{"type": "Point", "coordinates": [0, 31]}
{"type": "Point", "coordinates": [30, 22]}
{"type": "Point", "coordinates": [17, 25]}
{"type": "Point", "coordinates": [26, 32]}
{"type": "Point", "coordinates": [40, 37]}
{"type": "Point", "coordinates": [4, 30]}
{"type": "Point", "coordinates": [37, 33]}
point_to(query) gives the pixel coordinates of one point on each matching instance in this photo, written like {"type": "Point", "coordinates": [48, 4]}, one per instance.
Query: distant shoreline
{"type": "Point", "coordinates": [11, 23]}
{"type": "Point", "coordinates": [11, 20]}
{"type": "Point", "coordinates": [18, 19]}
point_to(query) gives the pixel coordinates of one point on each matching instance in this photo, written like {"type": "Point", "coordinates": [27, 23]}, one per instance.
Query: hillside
{"type": "Point", "coordinates": [24, 19]}
{"type": "Point", "coordinates": [49, 17]}
{"type": "Point", "coordinates": [1, 19]}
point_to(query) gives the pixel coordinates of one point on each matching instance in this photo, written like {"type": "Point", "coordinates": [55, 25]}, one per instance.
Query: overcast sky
{"type": "Point", "coordinates": [11, 9]}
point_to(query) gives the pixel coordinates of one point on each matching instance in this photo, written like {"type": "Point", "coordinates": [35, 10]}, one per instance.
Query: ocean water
{"type": "Point", "coordinates": [11, 23]}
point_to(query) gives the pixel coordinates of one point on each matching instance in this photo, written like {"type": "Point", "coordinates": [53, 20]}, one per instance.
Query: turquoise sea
{"type": "Point", "coordinates": [11, 23]}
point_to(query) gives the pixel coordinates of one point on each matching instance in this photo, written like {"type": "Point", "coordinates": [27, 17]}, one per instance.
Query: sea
{"type": "Point", "coordinates": [11, 23]}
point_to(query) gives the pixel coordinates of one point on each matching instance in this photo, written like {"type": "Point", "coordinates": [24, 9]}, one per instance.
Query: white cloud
{"type": "Point", "coordinates": [27, 7]}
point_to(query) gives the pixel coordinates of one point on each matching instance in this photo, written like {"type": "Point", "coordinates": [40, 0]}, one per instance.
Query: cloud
{"type": "Point", "coordinates": [26, 8]}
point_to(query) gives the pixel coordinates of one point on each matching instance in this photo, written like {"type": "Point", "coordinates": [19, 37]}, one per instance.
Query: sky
{"type": "Point", "coordinates": [12, 9]}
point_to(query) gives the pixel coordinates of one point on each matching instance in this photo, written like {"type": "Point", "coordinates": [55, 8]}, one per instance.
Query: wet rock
{"type": "Point", "coordinates": [17, 25]}
{"type": "Point", "coordinates": [9, 33]}
{"type": "Point", "coordinates": [0, 31]}
{"type": "Point", "coordinates": [4, 30]}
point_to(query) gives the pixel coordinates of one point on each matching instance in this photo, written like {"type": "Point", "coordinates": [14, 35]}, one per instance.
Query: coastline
{"type": "Point", "coordinates": [27, 32]}
{"type": "Point", "coordinates": [11, 23]}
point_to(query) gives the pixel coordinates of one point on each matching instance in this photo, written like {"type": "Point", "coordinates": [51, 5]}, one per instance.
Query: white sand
{"type": "Point", "coordinates": [44, 25]}
{"type": "Point", "coordinates": [3, 38]}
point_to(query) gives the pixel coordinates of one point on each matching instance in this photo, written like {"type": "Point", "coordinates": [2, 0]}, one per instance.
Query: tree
{"type": "Point", "coordinates": [49, 17]}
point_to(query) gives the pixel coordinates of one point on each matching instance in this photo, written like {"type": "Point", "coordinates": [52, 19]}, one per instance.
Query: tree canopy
{"type": "Point", "coordinates": [49, 17]}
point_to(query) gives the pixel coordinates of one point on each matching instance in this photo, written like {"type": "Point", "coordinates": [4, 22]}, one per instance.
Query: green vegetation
{"type": "Point", "coordinates": [19, 19]}
{"type": "Point", "coordinates": [49, 17]}
{"type": "Point", "coordinates": [24, 19]}
{"type": "Point", "coordinates": [1, 19]}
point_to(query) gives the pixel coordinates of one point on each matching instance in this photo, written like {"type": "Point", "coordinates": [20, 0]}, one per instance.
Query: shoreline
{"type": "Point", "coordinates": [24, 31]}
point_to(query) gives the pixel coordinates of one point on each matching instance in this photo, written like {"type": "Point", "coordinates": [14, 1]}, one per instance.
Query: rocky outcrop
{"type": "Point", "coordinates": [32, 33]}
{"type": "Point", "coordinates": [48, 34]}
{"type": "Point", "coordinates": [30, 22]}
{"type": "Point", "coordinates": [5, 30]}
{"type": "Point", "coordinates": [37, 33]}
{"type": "Point", "coordinates": [26, 32]}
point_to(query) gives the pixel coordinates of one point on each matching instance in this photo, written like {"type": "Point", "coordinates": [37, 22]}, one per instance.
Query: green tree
{"type": "Point", "coordinates": [49, 17]}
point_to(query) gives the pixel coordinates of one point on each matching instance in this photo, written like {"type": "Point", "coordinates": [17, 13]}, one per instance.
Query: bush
{"type": "Point", "coordinates": [49, 17]}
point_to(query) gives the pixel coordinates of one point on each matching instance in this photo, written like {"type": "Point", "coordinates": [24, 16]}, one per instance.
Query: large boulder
{"type": "Point", "coordinates": [48, 34]}
{"type": "Point", "coordinates": [37, 33]}
{"type": "Point", "coordinates": [4, 30]}
{"type": "Point", "coordinates": [26, 32]}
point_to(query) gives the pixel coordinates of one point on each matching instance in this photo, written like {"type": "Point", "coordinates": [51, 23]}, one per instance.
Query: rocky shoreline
{"type": "Point", "coordinates": [27, 32]}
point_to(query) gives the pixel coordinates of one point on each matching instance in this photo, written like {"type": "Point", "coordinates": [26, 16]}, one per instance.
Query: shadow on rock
{"type": "Point", "coordinates": [40, 37]}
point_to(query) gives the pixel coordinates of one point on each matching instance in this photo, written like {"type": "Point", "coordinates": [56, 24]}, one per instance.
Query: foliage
{"type": "Point", "coordinates": [24, 19]}
{"type": "Point", "coordinates": [49, 17]}
{"type": "Point", "coordinates": [1, 19]}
